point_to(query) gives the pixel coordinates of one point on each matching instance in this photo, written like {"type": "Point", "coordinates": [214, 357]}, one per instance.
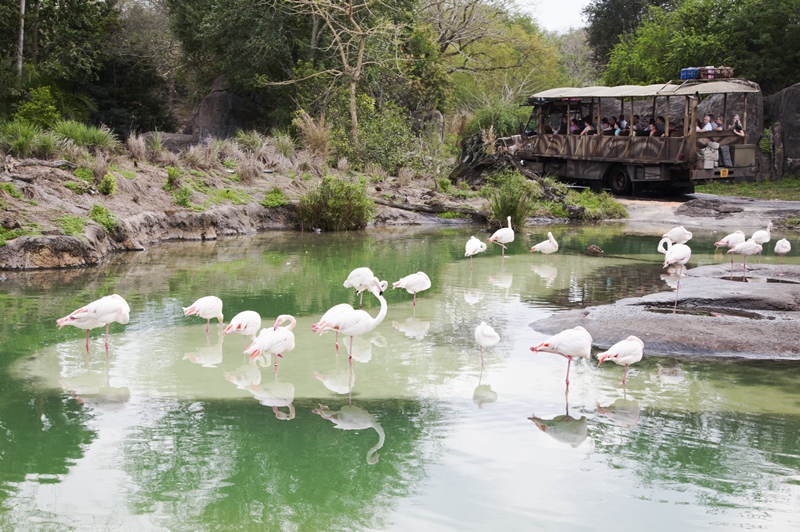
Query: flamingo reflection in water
{"type": "Point", "coordinates": [362, 346]}
{"type": "Point", "coordinates": [276, 395]}
{"type": "Point", "coordinates": [564, 429]}
{"type": "Point", "coordinates": [413, 328]}
{"type": "Point", "coordinates": [483, 393]}
{"type": "Point", "coordinates": [245, 375]}
{"type": "Point", "coordinates": [547, 273]}
{"type": "Point", "coordinates": [207, 355]}
{"type": "Point", "coordinates": [354, 418]}
{"type": "Point", "coordinates": [337, 381]}
{"type": "Point", "coordinates": [623, 412]}
{"type": "Point", "coordinates": [92, 389]}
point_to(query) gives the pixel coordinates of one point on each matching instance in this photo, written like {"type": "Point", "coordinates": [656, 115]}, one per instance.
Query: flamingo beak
{"type": "Point", "coordinates": [603, 359]}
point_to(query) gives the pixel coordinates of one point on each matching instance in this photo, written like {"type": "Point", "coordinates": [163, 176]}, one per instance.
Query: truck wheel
{"type": "Point", "coordinates": [619, 181]}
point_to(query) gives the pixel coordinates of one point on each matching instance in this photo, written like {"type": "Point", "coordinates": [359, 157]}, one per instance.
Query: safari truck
{"type": "Point", "coordinates": [625, 159]}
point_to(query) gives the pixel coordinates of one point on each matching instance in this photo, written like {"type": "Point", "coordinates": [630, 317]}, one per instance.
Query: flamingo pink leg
{"type": "Point", "coordinates": [351, 354]}
{"type": "Point", "coordinates": [87, 340]}
{"type": "Point", "coordinates": [106, 340]}
{"type": "Point", "coordinates": [744, 264]}
{"type": "Point", "coordinates": [504, 250]}
{"type": "Point", "coordinates": [625, 375]}
{"type": "Point", "coordinates": [481, 356]}
{"type": "Point", "coordinates": [276, 361]}
{"type": "Point", "coordinates": [415, 299]}
{"type": "Point", "coordinates": [569, 362]}
{"type": "Point", "coordinates": [337, 342]}
{"type": "Point", "coordinates": [677, 289]}
{"type": "Point", "coordinates": [208, 324]}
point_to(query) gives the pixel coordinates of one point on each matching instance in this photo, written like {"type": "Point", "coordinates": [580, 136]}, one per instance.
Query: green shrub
{"type": "Point", "coordinates": [510, 194]}
{"type": "Point", "coordinates": [46, 145]}
{"type": "Point", "coordinates": [251, 141]}
{"type": "Point", "coordinates": [84, 174]}
{"type": "Point", "coordinates": [173, 178]}
{"type": "Point", "coordinates": [18, 138]}
{"type": "Point", "coordinates": [40, 109]}
{"type": "Point", "coordinates": [444, 184]}
{"type": "Point", "coordinates": [602, 206]}
{"type": "Point", "coordinates": [11, 190]}
{"type": "Point", "coordinates": [764, 144]}
{"type": "Point", "coordinates": [450, 215]}
{"type": "Point", "coordinates": [230, 163]}
{"type": "Point", "coordinates": [284, 143]}
{"type": "Point", "coordinates": [86, 136]}
{"type": "Point", "coordinates": [183, 196]}
{"type": "Point", "coordinates": [336, 205]}
{"type": "Point", "coordinates": [504, 117]}
{"type": "Point", "coordinates": [235, 196]}
{"type": "Point", "coordinates": [155, 141]}
{"type": "Point", "coordinates": [107, 185]}
{"type": "Point", "coordinates": [11, 234]}
{"type": "Point", "coordinates": [103, 216]}
{"type": "Point", "coordinates": [77, 188]}
{"type": "Point", "coordinates": [71, 225]}
{"type": "Point", "coordinates": [274, 198]}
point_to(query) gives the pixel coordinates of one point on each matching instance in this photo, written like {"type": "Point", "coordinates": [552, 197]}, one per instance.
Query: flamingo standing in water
{"type": "Point", "coordinates": [473, 247]}
{"type": "Point", "coordinates": [624, 353]}
{"type": "Point", "coordinates": [206, 307]}
{"type": "Point", "coordinates": [101, 312]}
{"type": "Point", "coordinates": [548, 246]}
{"type": "Point", "coordinates": [331, 315]}
{"type": "Point", "coordinates": [246, 323]}
{"type": "Point", "coordinates": [748, 247]}
{"type": "Point", "coordinates": [486, 336]}
{"type": "Point", "coordinates": [503, 236]}
{"type": "Point", "coordinates": [416, 282]}
{"type": "Point", "coordinates": [729, 241]}
{"type": "Point", "coordinates": [678, 254]}
{"type": "Point", "coordinates": [358, 322]}
{"type": "Point", "coordinates": [277, 340]}
{"type": "Point", "coordinates": [576, 342]}
{"type": "Point", "coordinates": [762, 236]}
{"type": "Point", "coordinates": [782, 247]}
{"type": "Point", "coordinates": [359, 279]}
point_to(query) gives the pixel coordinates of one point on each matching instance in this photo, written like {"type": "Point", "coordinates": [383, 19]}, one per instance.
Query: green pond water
{"type": "Point", "coordinates": [176, 431]}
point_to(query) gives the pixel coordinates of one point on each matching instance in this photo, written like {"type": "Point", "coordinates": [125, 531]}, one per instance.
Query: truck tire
{"type": "Point", "coordinates": [619, 181]}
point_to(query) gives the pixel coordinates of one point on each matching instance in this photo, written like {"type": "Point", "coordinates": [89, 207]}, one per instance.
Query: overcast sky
{"type": "Point", "coordinates": [556, 15]}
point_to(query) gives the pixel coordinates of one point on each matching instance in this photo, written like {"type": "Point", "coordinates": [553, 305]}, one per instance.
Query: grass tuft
{"type": "Point", "coordinates": [336, 205]}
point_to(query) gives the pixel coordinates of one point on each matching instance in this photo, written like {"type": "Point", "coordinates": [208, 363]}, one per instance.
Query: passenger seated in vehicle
{"type": "Point", "coordinates": [698, 126]}
{"type": "Point", "coordinates": [564, 128]}
{"type": "Point", "coordinates": [574, 127]}
{"type": "Point", "coordinates": [719, 124]}
{"type": "Point", "coordinates": [708, 122]}
{"type": "Point", "coordinates": [678, 130]}
{"type": "Point", "coordinates": [736, 126]}
{"type": "Point", "coordinates": [588, 127]}
{"type": "Point", "coordinates": [623, 124]}
{"type": "Point", "coordinates": [637, 125]}
{"type": "Point", "coordinates": [658, 129]}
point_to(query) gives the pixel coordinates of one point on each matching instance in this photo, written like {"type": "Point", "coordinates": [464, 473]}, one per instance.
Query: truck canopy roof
{"type": "Point", "coordinates": [687, 88]}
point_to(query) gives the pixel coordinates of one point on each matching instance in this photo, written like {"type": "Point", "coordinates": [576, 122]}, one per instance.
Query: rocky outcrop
{"type": "Point", "coordinates": [220, 114]}
{"type": "Point", "coordinates": [134, 233]}
{"type": "Point", "coordinates": [782, 114]}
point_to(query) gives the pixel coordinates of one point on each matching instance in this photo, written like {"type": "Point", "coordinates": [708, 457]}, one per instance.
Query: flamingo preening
{"type": "Point", "coordinates": [678, 235]}
{"type": "Point", "coordinates": [101, 312]}
{"type": "Point", "coordinates": [473, 247]}
{"type": "Point", "coordinates": [576, 342]}
{"type": "Point", "coordinates": [277, 340]}
{"type": "Point", "coordinates": [624, 353]}
{"type": "Point", "coordinates": [729, 241]}
{"type": "Point", "coordinates": [748, 247]}
{"type": "Point", "coordinates": [416, 282]}
{"type": "Point", "coordinates": [486, 336]}
{"type": "Point", "coordinates": [359, 279]}
{"type": "Point", "coordinates": [503, 236]}
{"type": "Point", "coordinates": [206, 307]}
{"type": "Point", "coordinates": [247, 323]}
{"type": "Point", "coordinates": [782, 247]}
{"type": "Point", "coordinates": [548, 246]}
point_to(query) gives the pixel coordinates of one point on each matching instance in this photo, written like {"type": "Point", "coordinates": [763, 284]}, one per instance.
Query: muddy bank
{"type": "Point", "coordinates": [718, 316]}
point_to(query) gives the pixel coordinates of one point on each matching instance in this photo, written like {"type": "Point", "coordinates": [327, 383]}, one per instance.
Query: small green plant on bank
{"type": "Point", "coordinates": [451, 215]}
{"type": "Point", "coordinates": [336, 205]}
{"type": "Point", "coordinates": [230, 164]}
{"type": "Point", "coordinates": [764, 143]}
{"type": "Point", "coordinates": [11, 190]}
{"type": "Point", "coordinates": [183, 196]}
{"type": "Point", "coordinates": [173, 178]}
{"type": "Point", "coordinates": [77, 188]}
{"type": "Point", "coordinates": [127, 174]}
{"type": "Point", "coordinates": [11, 234]}
{"type": "Point", "coordinates": [235, 196]}
{"type": "Point", "coordinates": [155, 141]}
{"type": "Point", "coordinates": [103, 216]}
{"type": "Point", "coordinates": [443, 184]}
{"type": "Point", "coordinates": [197, 173]}
{"type": "Point", "coordinates": [84, 174]}
{"type": "Point", "coordinates": [274, 198]}
{"type": "Point", "coordinates": [107, 185]}
{"type": "Point", "coordinates": [284, 143]}
{"type": "Point", "coordinates": [789, 222]}
{"type": "Point", "coordinates": [71, 225]}
{"type": "Point", "coordinates": [199, 185]}
{"type": "Point", "coordinates": [787, 188]}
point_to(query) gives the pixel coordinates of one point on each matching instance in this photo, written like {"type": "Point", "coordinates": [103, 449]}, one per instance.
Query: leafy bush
{"type": "Point", "coordinates": [444, 184]}
{"type": "Point", "coordinates": [510, 194]}
{"type": "Point", "coordinates": [71, 225]}
{"type": "Point", "coordinates": [503, 117]}
{"type": "Point", "coordinates": [40, 109]}
{"type": "Point", "coordinates": [602, 206]}
{"type": "Point", "coordinates": [85, 136]}
{"type": "Point", "coordinates": [107, 185]}
{"type": "Point", "coordinates": [103, 216]}
{"type": "Point", "coordinates": [84, 174]}
{"type": "Point", "coordinates": [18, 138]}
{"type": "Point", "coordinates": [336, 205]}
{"type": "Point", "coordinates": [183, 196]}
{"type": "Point", "coordinates": [173, 178]}
{"type": "Point", "coordinates": [235, 196]}
{"type": "Point", "coordinates": [11, 190]}
{"type": "Point", "coordinates": [764, 143]}
{"type": "Point", "coordinates": [274, 198]}
{"type": "Point", "coordinates": [11, 234]}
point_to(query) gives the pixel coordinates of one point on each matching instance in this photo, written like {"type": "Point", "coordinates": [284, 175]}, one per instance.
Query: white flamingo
{"type": "Point", "coordinates": [548, 246]}
{"type": "Point", "coordinates": [206, 307]}
{"type": "Point", "coordinates": [729, 241]}
{"type": "Point", "coordinates": [746, 248]}
{"type": "Point", "coordinates": [100, 312]}
{"type": "Point", "coordinates": [762, 236]}
{"type": "Point", "coordinates": [331, 315]}
{"type": "Point", "coordinates": [277, 340]}
{"type": "Point", "coordinates": [503, 236]}
{"type": "Point", "coordinates": [486, 337]}
{"type": "Point", "coordinates": [576, 342]}
{"type": "Point", "coordinates": [782, 247]}
{"type": "Point", "coordinates": [247, 323]}
{"type": "Point", "coordinates": [359, 321]}
{"type": "Point", "coordinates": [624, 353]}
{"type": "Point", "coordinates": [355, 418]}
{"type": "Point", "coordinates": [359, 279]}
{"type": "Point", "coordinates": [678, 254]}
{"type": "Point", "coordinates": [416, 282]}
{"type": "Point", "coordinates": [473, 247]}
{"type": "Point", "coordinates": [678, 235]}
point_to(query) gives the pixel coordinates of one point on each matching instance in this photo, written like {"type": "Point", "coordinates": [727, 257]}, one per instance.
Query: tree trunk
{"type": "Point", "coordinates": [353, 110]}
{"type": "Point", "coordinates": [34, 31]}
{"type": "Point", "coordinates": [20, 40]}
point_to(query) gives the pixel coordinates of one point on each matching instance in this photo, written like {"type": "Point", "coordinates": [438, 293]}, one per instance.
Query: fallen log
{"type": "Point", "coordinates": [432, 209]}
{"type": "Point", "coordinates": [52, 164]}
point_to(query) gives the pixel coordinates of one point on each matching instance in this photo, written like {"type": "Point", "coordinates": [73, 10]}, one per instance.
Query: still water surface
{"type": "Point", "coordinates": [176, 431]}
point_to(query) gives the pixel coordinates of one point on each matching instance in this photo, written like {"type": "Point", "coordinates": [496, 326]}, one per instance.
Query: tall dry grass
{"type": "Point", "coordinates": [314, 134]}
